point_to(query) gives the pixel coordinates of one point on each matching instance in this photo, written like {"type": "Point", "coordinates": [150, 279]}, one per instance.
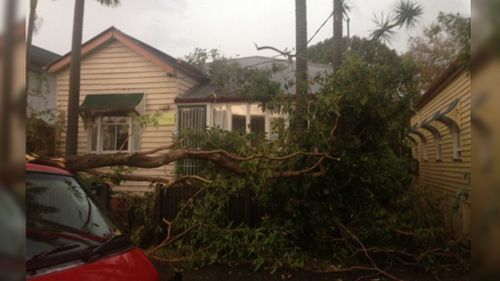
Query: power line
{"type": "Point", "coordinates": [322, 25]}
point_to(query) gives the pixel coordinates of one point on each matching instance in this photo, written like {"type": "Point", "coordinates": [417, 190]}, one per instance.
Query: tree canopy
{"type": "Point", "coordinates": [444, 41]}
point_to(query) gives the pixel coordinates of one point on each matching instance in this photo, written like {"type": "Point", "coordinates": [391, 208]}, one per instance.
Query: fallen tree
{"type": "Point", "coordinates": [335, 197]}
{"type": "Point", "coordinates": [146, 159]}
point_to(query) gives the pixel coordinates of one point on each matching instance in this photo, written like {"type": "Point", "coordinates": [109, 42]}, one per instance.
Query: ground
{"type": "Point", "coordinates": [216, 273]}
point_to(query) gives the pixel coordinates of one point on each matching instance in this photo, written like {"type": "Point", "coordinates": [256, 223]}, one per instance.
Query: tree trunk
{"type": "Point", "coordinates": [74, 80]}
{"type": "Point", "coordinates": [31, 27]}
{"type": "Point", "coordinates": [337, 34]}
{"type": "Point", "coordinates": [301, 64]}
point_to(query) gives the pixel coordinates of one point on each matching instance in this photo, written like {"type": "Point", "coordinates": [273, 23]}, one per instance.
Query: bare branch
{"type": "Point", "coordinates": [121, 177]}
{"type": "Point", "coordinates": [223, 159]}
{"type": "Point", "coordinates": [287, 54]}
{"type": "Point", "coordinates": [167, 181]}
{"type": "Point", "coordinates": [365, 251]}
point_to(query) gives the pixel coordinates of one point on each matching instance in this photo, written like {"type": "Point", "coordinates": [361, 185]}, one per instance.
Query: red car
{"type": "Point", "coordinates": [70, 236]}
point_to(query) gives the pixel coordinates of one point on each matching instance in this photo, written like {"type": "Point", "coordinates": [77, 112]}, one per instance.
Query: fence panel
{"type": "Point", "coordinates": [241, 209]}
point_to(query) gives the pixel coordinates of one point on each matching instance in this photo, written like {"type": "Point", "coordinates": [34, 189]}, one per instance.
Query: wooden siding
{"type": "Point", "coordinates": [447, 177]}
{"type": "Point", "coordinates": [115, 68]}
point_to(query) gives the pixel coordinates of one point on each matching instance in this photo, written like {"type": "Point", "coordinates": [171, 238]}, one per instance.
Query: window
{"type": "Point", "coordinates": [424, 151]}
{"type": "Point", "coordinates": [112, 134]}
{"type": "Point", "coordinates": [191, 118]}
{"type": "Point", "coordinates": [239, 118]}
{"type": "Point", "coordinates": [62, 213]}
{"type": "Point", "coordinates": [439, 149]}
{"type": "Point", "coordinates": [455, 133]}
{"type": "Point", "coordinates": [257, 120]}
{"type": "Point", "coordinates": [245, 118]}
{"type": "Point", "coordinates": [220, 116]}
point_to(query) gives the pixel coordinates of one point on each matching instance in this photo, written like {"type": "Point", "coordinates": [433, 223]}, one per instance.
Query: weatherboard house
{"type": "Point", "coordinates": [120, 75]}
{"type": "Point", "coordinates": [442, 144]}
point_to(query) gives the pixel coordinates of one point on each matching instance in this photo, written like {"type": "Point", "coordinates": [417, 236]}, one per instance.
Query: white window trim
{"type": "Point", "coordinates": [439, 150]}
{"type": "Point", "coordinates": [456, 140]}
{"type": "Point", "coordinates": [425, 151]}
{"type": "Point", "coordinates": [267, 116]}
{"type": "Point", "coordinates": [208, 109]}
{"type": "Point", "coordinates": [99, 150]}
{"type": "Point", "coordinates": [229, 120]}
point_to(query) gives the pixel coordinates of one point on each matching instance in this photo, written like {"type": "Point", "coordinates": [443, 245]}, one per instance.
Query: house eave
{"type": "Point", "coordinates": [452, 72]}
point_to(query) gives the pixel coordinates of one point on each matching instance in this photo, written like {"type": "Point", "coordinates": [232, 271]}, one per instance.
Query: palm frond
{"type": "Point", "coordinates": [108, 3]}
{"type": "Point", "coordinates": [385, 28]}
{"type": "Point", "coordinates": [346, 7]}
{"type": "Point", "coordinates": [407, 13]}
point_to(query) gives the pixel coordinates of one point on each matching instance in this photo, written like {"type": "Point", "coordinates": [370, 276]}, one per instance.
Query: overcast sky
{"type": "Point", "coordinates": [178, 26]}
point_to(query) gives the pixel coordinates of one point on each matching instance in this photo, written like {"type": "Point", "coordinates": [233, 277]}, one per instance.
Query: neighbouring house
{"type": "Point", "coordinates": [41, 103]}
{"type": "Point", "coordinates": [441, 137]}
{"type": "Point", "coordinates": [205, 107]}
{"type": "Point", "coordinates": [120, 75]}
{"type": "Point", "coordinates": [41, 85]}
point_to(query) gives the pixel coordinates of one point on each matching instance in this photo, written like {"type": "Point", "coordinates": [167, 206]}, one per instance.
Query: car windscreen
{"type": "Point", "coordinates": [61, 216]}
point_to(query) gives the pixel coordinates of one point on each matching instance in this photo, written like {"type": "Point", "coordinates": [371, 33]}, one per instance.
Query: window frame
{"type": "Point", "coordinates": [99, 140]}
{"type": "Point", "coordinates": [425, 151]}
{"type": "Point", "coordinates": [190, 166]}
{"type": "Point", "coordinates": [457, 142]}
{"type": "Point", "coordinates": [439, 149]}
{"type": "Point", "coordinates": [229, 115]}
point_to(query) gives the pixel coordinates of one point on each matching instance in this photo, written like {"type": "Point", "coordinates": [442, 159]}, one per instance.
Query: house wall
{"type": "Point", "coordinates": [448, 177]}
{"type": "Point", "coordinates": [115, 68]}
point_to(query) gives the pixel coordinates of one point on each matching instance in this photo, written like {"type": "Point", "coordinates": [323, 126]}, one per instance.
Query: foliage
{"type": "Point", "coordinates": [40, 123]}
{"type": "Point", "coordinates": [444, 41]}
{"type": "Point", "coordinates": [304, 218]}
{"type": "Point", "coordinates": [109, 2]}
{"type": "Point", "coordinates": [405, 14]}
{"type": "Point", "coordinates": [228, 78]}
{"type": "Point", "coordinates": [375, 88]}
{"type": "Point", "coordinates": [143, 226]}
{"type": "Point", "coordinates": [40, 137]}
{"type": "Point", "coordinates": [372, 51]}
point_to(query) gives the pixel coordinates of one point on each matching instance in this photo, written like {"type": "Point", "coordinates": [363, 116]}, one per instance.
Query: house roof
{"type": "Point", "coordinates": [451, 72]}
{"type": "Point", "coordinates": [168, 63]}
{"type": "Point", "coordinates": [40, 58]}
{"type": "Point", "coordinates": [284, 74]}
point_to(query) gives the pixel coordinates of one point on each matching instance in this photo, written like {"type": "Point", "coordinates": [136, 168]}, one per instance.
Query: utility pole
{"type": "Point", "coordinates": [301, 64]}
{"type": "Point", "coordinates": [337, 33]}
{"type": "Point", "coordinates": [74, 80]}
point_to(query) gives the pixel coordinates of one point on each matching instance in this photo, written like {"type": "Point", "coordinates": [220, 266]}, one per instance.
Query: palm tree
{"type": "Point", "coordinates": [301, 63]}
{"type": "Point", "coordinates": [337, 33]}
{"type": "Point", "coordinates": [31, 27]}
{"type": "Point", "coordinates": [74, 76]}
{"type": "Point", "coordinates": [405, 14]}
{"type": "Point", "coordinates": [341, 9]}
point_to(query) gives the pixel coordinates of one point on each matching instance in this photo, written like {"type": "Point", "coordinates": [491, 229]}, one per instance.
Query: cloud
{"type": "Point", "coordinates": [232, 26]}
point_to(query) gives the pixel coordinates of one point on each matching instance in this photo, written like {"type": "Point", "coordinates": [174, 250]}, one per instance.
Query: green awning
{"type": "Point", "coordinates": [113, 104]}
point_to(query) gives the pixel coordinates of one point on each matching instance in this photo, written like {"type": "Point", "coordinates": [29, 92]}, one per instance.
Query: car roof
{"type": "Point", "coordinates": [30, 167]}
